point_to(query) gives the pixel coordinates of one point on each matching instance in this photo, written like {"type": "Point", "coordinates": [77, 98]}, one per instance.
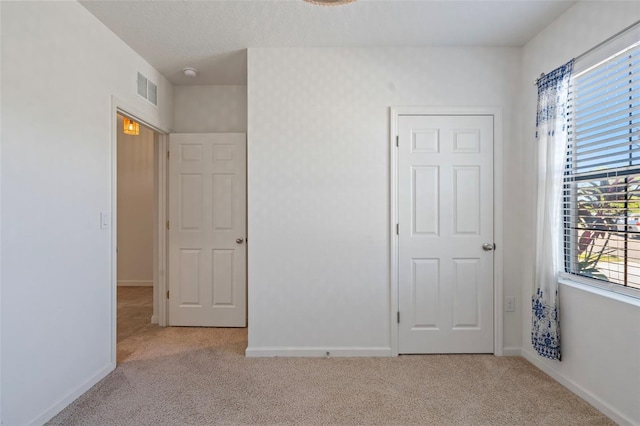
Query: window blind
{"type": "Point", "coordinates": [602, 175]}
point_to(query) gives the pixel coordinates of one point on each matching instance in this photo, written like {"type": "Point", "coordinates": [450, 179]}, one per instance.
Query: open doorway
{"type": "Point", "coordinates": [136, 206]}
{"type": "Point", "coordinates": [149, 200]}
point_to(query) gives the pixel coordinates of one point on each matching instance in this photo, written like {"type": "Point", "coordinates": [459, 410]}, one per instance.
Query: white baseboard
{"type": "Point", "coordinates": [62, 404]}
{"type": "Point", "coordinates": [302, 351]}
{"type": "Point", "coordinates": [154, 319]}
{"type": "Point", "coordinates": [511, 351]}
{"type": "Point", "coordinates": [602, 406]}
{"type": "Point", "coordinates": [135, 283]}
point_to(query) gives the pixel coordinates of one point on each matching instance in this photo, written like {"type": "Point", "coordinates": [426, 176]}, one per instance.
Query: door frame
{"type": "Point", "coordinates": [119, 106]}
{"type": "Point", "coordinates": [498, 179]}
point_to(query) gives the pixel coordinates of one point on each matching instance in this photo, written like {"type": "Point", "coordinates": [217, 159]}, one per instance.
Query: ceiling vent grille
{"type": "Point", "coordinates": [147, 89]}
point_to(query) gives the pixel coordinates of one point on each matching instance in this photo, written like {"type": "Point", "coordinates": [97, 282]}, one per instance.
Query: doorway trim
{"type": "Point", "coordinates": [118, 106]}
{"type": "Point", "coordinates": [498, 179]}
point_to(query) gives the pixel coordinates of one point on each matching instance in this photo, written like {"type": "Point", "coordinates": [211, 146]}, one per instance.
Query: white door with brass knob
{"type": "Point", "coordinates": [207, 230]}
{"type": "Point", "coordinates": [445, 235]}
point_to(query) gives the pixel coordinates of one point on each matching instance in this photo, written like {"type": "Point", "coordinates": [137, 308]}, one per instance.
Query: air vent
{"type": "Point", "coordinates": [142, 85]}
{"type": "Point", "coordinates": [152, 93]}
{"type": "Point", "coordinates": [147, 89]}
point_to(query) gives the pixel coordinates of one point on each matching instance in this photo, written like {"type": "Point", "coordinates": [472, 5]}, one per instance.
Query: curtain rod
{"type": "Point", "coordinates": [585, 53]}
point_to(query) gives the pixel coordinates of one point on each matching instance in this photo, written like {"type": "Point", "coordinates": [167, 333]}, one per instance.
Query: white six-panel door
{"type": "Point", "coordinates": [445, 213]}
{"type": "Point", "coordinates": [207, 247]}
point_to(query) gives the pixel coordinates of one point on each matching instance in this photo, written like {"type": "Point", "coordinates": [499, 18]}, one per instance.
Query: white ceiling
{"type": "Point", "coordinates": [212, 35]}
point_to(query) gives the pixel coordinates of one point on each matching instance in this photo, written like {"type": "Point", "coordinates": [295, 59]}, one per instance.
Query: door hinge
{"type": "Point", "coordinates": [168, 225]}
{"type": "Point", "coordinates": [168, 155]}
{"type": "Point", "coordinates": [397, 140]}
{"type": "Point", "coordinates": [167, 294]}
{"type": "Point", "coordinates": [398, 317]}
{"type": "Point", "coordinates": [397, 229]}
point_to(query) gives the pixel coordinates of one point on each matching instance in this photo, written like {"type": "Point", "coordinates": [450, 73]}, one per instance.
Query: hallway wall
{"type": "Point", "coordinates": [135, 207]}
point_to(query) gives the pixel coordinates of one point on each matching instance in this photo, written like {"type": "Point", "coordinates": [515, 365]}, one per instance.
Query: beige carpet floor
{"type": "Point", "coordinates": [135, 308]}
{"type": "Point", "coordinates": [199, 376]}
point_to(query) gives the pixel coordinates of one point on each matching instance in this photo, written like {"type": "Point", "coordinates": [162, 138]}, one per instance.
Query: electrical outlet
{"type": "Point", "coordinates": [509, 304]}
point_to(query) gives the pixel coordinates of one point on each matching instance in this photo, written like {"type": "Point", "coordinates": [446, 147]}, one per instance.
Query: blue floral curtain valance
{"type": "Point", "coordinates": [551, 131]}
{"type": "Point", "coordinates": [552, 95]}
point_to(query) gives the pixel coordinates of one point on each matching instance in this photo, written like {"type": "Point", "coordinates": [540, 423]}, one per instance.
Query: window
{"type": "Point", "coordinates": [602, 175]}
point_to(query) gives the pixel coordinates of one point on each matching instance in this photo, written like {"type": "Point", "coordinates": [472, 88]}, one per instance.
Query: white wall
{"type": "Point", "coordinates": [600, 336]}
{"type": "Point", "coordinates": [135, 207]}
{"type": "Point", "coordinates": [60, 68]}
{"type": "Point", "coordinates": [1, 133]}
{"type": "Point", "coordinates": [318, 185]}
{"type": "Point", "coordinates": [210, 109]}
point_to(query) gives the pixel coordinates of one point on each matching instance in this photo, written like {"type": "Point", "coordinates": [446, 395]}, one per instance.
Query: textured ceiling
{"type": "Point", "coordinates": [212, 35]}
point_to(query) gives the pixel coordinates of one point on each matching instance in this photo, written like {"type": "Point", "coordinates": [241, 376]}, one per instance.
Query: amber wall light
{"type": "Point", "coordinates": [131, 127]}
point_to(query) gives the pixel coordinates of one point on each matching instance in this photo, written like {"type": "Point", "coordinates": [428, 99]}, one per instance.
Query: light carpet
{"type": "Point", "coordinates": [199, 376]}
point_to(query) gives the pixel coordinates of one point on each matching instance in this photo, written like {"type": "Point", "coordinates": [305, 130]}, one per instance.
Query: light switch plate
{"type": "Point", "coordinates": [105, 220]}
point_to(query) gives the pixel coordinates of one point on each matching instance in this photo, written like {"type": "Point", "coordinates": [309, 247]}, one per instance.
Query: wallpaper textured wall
{"type": "Point", "coordinates": [210, 109]}
{"type": "Point", "coordinates": [318, 188]}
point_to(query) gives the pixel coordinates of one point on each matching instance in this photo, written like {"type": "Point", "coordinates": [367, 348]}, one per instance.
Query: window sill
{"type": "Point", "coordinates": [593, 289]}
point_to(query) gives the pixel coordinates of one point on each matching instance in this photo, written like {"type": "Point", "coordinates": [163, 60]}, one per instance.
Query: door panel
{"type": "Point", "coordinates": [445, 211]}
{"type": "Point", "coordinates": [207, 213]}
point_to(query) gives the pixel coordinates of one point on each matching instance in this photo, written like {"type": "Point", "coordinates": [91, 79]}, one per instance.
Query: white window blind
{"type": "Point", "coordinates": [602, 178]}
